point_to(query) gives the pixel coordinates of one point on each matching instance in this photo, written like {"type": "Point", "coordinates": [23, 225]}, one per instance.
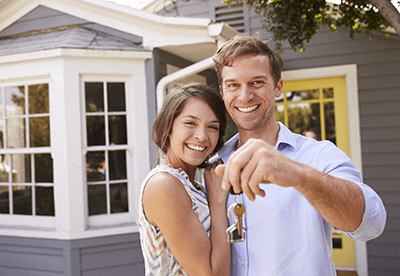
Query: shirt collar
{"type": "Point", "coordinates": [285, 137]}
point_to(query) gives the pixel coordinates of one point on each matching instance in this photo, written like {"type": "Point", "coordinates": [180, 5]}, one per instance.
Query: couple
{"type": "Point", "coordinates": [305, 188]}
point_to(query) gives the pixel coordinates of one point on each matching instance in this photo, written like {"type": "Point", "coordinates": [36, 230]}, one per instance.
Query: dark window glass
{"type": "Point", "coordinates": [39, 130]}
{"type": "Point", "coordinates": [43, 168]}
{"type": "Point", "coordinates": [117, 164]}
{"type": "Point", "coordinates": [94, 96]}
{"type": "Point", "coordinates": [95, 166]}
{"type": "Point", "coordinates": [38, 98]}
{"type": "Point", "coordinates": [117, 130]}
{"type": "Point", "coordinates": [97, 199]}
{"type": "Point", "coordinates": [22, 200]}
{"type": "Point", "coordinates": [95, 130]}
{"type": "Point", "coordinates": [4, 200]}
{"type": "Point", "coordinates": [44, 201]}
{"type": "Point", "coordinates": [119, 197]}
{"type": "Point", "coordinates": [116, 96]}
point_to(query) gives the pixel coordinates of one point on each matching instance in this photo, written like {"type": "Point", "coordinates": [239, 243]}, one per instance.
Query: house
{"type": "Point", "coordinates": [361, 81]}
{"type": "Point", "coordinates": [77, 98]}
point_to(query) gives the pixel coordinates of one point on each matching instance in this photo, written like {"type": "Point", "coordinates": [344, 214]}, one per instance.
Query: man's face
{"type": "Point", "coordinates": [249, 92]}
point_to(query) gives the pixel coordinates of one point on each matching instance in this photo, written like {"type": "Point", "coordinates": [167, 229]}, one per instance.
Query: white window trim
{"type": "Point", "coordinates": [97, 222]}
{"type": "Point", "coordinates": [31, 222]}
{"type": "Point", "coordinates": [350, 73]}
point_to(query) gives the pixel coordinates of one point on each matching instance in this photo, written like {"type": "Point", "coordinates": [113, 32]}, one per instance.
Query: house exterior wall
{"type": "Point", "coordinates": [102, 256]}
{"type": "Point", "coordinates": [378, 79]}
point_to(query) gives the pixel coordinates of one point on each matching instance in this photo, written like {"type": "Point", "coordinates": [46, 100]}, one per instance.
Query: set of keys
{"type": "Point", "coordinates": [236, 232]}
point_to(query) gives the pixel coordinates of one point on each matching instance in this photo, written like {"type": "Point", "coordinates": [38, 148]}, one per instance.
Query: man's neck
{"type": "Point", "coordinates": [269, 134]}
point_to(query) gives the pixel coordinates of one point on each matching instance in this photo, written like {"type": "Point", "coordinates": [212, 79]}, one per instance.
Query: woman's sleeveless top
{"type": "Point", "coordinates": [158, 258]}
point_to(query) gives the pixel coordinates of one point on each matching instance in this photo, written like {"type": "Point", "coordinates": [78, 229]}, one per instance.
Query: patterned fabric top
{"type": "Point", "coordinates": [158, 258]}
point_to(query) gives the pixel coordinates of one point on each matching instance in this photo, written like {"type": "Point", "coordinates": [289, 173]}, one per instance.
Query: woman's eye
{"type": "Point", "coordinates": [190, 123]}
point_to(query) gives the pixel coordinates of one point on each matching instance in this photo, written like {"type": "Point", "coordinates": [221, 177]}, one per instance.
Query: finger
{"type": "Point", "coordinates": [220, 169]}
{"type": "Point", "coordinates": [256, 179]}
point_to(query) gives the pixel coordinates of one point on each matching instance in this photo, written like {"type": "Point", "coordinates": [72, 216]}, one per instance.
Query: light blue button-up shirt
{"type": "Point", "coordinates": [285, 234]}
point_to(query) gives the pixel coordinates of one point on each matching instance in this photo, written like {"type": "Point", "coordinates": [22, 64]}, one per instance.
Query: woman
{"type": "Point", "coordinates": [182, 227]}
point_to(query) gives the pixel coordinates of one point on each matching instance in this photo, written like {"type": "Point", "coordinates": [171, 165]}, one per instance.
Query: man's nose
{"type": "Point", "coordinates": [246, 93]}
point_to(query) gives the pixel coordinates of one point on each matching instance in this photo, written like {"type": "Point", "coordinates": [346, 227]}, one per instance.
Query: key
{"type": "Point", "coordinates": [238, 210]}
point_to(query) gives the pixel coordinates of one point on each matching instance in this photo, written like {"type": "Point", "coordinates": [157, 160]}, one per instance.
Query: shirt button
{"type": "Point", "coordinates": [242, 263]}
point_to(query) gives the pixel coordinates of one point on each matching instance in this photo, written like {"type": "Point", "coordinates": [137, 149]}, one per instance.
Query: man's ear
{"type": "Point", "coordinates": [278, 88]}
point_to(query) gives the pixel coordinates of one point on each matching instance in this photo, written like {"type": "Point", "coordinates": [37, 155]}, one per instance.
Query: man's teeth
{"type": "Point", "coordinates": [198, 148]}
{"type": "Point", "coordinates": [247, 109]}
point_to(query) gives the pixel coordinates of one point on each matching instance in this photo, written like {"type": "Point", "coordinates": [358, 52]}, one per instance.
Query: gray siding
{"type": "Point", "coordinates": [378, 64]}
{"type": "Point", "coordinates": [104, 256]}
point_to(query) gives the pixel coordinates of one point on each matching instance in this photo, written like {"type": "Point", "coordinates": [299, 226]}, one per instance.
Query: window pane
{"type": "Point", "coordinates": [4, 200]}
{"type": "Point", "coordinates": [1, 102]}
{"type": "Point", "coordinates": [330, 130]}
{"type": "Point", "coordinates": [328, 93]}
{"type": "Point", "coordinates": [95, 166]}
{"type": "Point", "coordinates": [22, 199]}
{"type": "Point", "coordinates": [97, 199]}
{"type": "Point", "coordinates": [296, 96]}
{"type": "Point", "coordinates": [21, 168]}
{"type": "Point", "coordinates": [305, 119]}
{"type": "Point", "coordinates": [280, 113]}
{"type": "Point", "coordinates": [38, 98]}
{"type": "Point", "coordinates": [39, 128]}
{"type": "Point", "coordinates": [44, 201]}
{"type": "Point", "coordinates": [94, 96]}
{"type": "Point", "coordinates": [16, 137]}
{"type": "Point", "coordinates": [43, 168]}
{"type": "Point", "coordinates": [4, 168]}
{"type": "Point", "coordinates": [117, 129]}
{"type": "Point", "coordinates": [15, 100]}
{"type": "Point", "coordinates": [117, 164]}
{"type": "Point", "coordinates": [116, 96]}
{"type": "Point", "coordinates": [95, 130]}
{"type": "Point", "coordinates": [119, 198]}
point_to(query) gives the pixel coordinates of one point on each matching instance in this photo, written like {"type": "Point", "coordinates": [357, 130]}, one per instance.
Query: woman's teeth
{"type": "Point", "coordinates": [198, 148]}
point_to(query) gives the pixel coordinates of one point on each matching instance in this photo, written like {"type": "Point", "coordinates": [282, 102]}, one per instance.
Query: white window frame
{"type": "Point", "coordinates": [350, 73]}
{"type": "Point", "coordinates": [118, 219]}
{"type": "Point", "coordinates": [34, 222]}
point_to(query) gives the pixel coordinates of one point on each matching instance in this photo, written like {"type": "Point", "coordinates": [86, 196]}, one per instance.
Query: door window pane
{"type": "Point", "coordinates": [305, 119]}
{"type": "Point", "coordinates": [296, 96]}
{"type": "Point", "coordinates": [330, 131]}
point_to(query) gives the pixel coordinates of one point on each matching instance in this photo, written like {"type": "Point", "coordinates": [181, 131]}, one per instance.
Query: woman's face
{"type": "Point", "coordinates": [194, 134]}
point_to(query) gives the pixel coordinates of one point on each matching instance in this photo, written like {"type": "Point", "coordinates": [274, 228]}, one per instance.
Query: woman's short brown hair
{"type": "Point", "coordinates": [175, 102]}
{"type": "Point", "coordinates": [245, 44]}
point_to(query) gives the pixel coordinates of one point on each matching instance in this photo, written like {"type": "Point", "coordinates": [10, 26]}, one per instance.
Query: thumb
{"type": "Point", "coordinates": [220, 169]}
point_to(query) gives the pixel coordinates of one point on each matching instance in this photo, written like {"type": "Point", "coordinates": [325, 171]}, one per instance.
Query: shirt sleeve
{"type": "Point", "coordinates": [338, 164]}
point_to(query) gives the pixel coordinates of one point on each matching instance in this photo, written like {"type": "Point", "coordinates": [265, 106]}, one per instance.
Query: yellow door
{"type": "Point", "coordinates": [318, 108]}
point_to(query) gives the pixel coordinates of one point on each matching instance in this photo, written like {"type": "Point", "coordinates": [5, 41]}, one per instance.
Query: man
{"type": "Point", "coordinates": [305, 187]}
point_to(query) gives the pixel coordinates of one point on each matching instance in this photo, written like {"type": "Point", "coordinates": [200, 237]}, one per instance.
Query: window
{"type": "Point", "coordinates": [26, 166]}
{"type": "Point", "coordinates": [106, 148]}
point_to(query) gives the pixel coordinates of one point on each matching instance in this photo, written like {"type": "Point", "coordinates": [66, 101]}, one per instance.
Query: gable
{"type": "Point", "coordinates": [44, 28]}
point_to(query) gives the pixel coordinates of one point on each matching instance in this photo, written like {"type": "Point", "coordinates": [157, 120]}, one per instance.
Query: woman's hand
{"type": "Point", "coordinates": [216, 195]}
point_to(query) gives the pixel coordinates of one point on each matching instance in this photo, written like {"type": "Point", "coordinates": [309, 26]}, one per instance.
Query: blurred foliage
{"type": "Point", "coordinates": [296, 22]}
